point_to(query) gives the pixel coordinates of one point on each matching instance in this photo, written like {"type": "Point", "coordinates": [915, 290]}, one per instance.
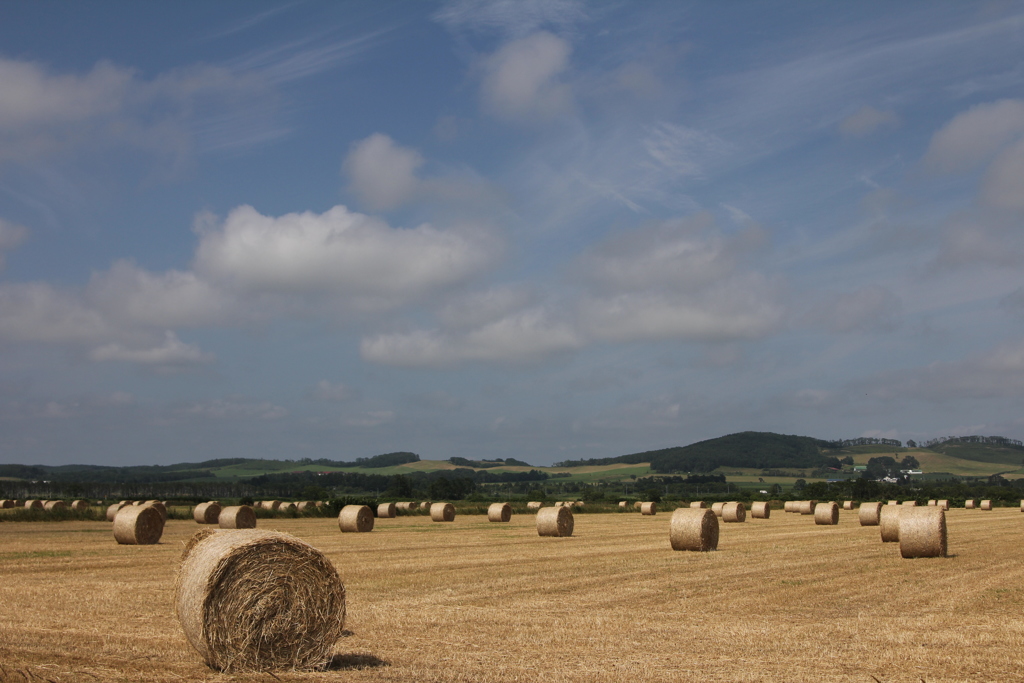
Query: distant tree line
{"type": "Point", "coordinates": [865, 441]}
{"type": "Point", "coordinates": [996, 440]}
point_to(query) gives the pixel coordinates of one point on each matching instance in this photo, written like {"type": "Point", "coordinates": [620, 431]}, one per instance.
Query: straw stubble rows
{"type": "Point", "coordinates": [781, 599]}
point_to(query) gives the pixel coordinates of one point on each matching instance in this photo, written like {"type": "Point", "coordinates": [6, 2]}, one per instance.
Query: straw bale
{"type": "Point", "coordinates": [807, 507]}
{"type": "Point", "coordinates": [237, 517]}
{"type": "Point", "coordinates": [624, 504]}
{"type": "Point", "coordinates": [923, 532]}
{"type": "Point", "coordinates": [80, 505]}
{"type": "Point", "coordinates": [4, 504]}
{"type": "Point", "coordinates": [206, 513]}
{"type": "Point", "coordinates": [932, 503]}
{"type": "Point", "coordinates": [734, 512]}
{"type": "Point", "coordinates": [694, 529]}
{"type": "Point", "coordinates": [649, 508]}
{"type": "Point", "coordinates": [826, 514]}
{"type": "Point", "coordinates": [986, 505]}
{"type": "Point", "coordinates": [402, 506]}
{"type": "Point", "coordinates": [555, 521]}
{"type": "Point", "coordinates": [698, 504]}
{"type": "Point", "coordinates": [969, 504]}
{"type": "Point", "coordinates": [847, 504]}
{"type": "Point", "coordinates": [761, 510]}
{"type": "Point", "coordinates": [253, 600]}
{"type": "Point", "coordinates": [791, 506]}
{"type": "Point", "coordinates": [113, 509]}
{"type": "Point", "coordinates": [499, 512]}
{"type": "Point", "coordinates": [271, 504]}
{"type": "Point", "coordinates": [910, 503]}
{"type": "Point", "coordinates": [287, 507]}
{"type": "Point", "coordinates": [51, 505]}
{"type": "Point", "coordinates": [304, 505]}
{"type": "Point", "coordinates": [559, 503]}
{"type": "Point", "coordinates": [33, 504]}
{"type": "Point", "coordinates": [355, 518]}
{"type": "Point", "coordinates": [138, 525]}
{"type": "Point", "coordinates": [942, 503]}
{"type": "Point", "coordinates": [387, 510]}
{"type": "Point", "coordinates": [1022, 505]}
{"type": "Point", "coordinates": [158, 506]}
{"type": "Point", "coordinates": [893, 502]}
{"type": "Point", "coordinates": [717, 508]}
{"type": "Point", "coordinates": [636, 504]}
{"type": "Point", "coordinates": [534, 505]}
{"type": "Point", "coordinates": [889, 522]}
{"type": "Point", "coordinates": [868, 513]}
{"type": "Point", "coordinates": [442, 512]}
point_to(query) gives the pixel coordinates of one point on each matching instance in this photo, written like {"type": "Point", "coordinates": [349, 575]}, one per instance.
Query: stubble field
{"type": "Point", "coordinates": [781, 600]}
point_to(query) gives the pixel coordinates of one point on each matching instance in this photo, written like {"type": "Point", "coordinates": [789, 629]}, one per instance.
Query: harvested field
{"type": "Point", "coordinates": [65, 615]}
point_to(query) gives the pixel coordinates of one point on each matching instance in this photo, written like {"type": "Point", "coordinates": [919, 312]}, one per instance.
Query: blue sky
{"type": "Point", "coordinates": [542, 230]}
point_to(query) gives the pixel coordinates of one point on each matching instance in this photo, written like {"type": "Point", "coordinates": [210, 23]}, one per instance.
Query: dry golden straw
{"type": "Point", "coordinates": [442, 512]}
{"type": "Point", "coordinates": [113, 509]}
{"type": "Point", "coordinates": [649, 508]}
{"type": "Point", "coordinates": [807, 507]}
{"type": "Point", "coordinates": [237, 517]}
{"type": "Point", "coordinates": [54, 505]}
{"type": "Point", "coordinates": [944, 504]}
{"type": "Point", "coordinates": [304, 505]}
{"type": "Point", "coordinates": [79, 505]}
{"type": "Point", "coordinates": [287, 507]}
{"type": "Point", "coordinates": [693, 529]}
{"type": "Point", "coordinates": [534, 505]}
{"type": "Point", "coordinates": [636, 505]}
{"type": "Point", "coordinates": [499, 512]}
{"type": "Point", "coordinates": [259, 601]}
{"type": "Point", "coordinates": [623, 504]}
{"type": "Point", "coordinates": [33, 504]}
{"type": "Point", "coordinates": [889, 522]}
{"type": "Point", "coordinates": [910, 503]}
{"type": "Point", "coordinates": [868, 513]}
{"type": "Point", "coordinates": [555, 521]}
{"type": "Point", "coordinates": [698, 504]}
{"type": "Point", "coordinates": [847, 504]}
{"type": "Point", "coordinates": [158, 506]}
{"type": "Point", "coordinates": [206, 513]}
{"type": "Point", "coordinates": [403, 506]}
{"type": "Point", "coordinates": [986, 505]}
{"type": "Point", "coordinates": [138, 525]}
{"type": "Point", "coordinates": [387, 510]}
{"type": "Point", "coordinates": [717, 508]}
{"type": "Point", "coordinates": [826, 514]}
{"type": "Point", "coordinates": [791, 506]}
{"type": "Point", "coordinates": [969, 504]}
{"type": "Point", "coordinates": [932, 503]}
{"type": "Point", "coordinates": [355, 518]}
{"type": "Point", "coordinates": [734, 512]}
{"type": "Point", "coordinates": [761, 510]}
{"type": "Point", "coordinates": [923, 532]}
{"type": "Point", "coordinates": [893, 502]}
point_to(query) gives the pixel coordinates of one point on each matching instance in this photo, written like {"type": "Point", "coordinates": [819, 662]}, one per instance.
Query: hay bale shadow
{"type": "Point", "coordinates": [355, 661]}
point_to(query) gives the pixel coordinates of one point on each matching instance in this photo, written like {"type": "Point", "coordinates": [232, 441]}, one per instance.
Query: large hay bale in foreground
{"type": "Point", "coordinates": [847, 504]}
{"type": "Point", "coordinates": [33, 504]}
{"type": "Point", "coordinates": [387, 510]}
{"type": "Point", "coordinates": [807, 507]}
{"type": "Point", "coordinates": [923, 532]}
{"type": "Point", "coordinates": [889, 522]}
{"type": "Point", "coordinates": [649, 508]}
{"type": "Point", "coordinates": [253, 600]}
{"type": "Point", "coordinates": [734, 512]}
{"type": "Point", "coordinates": [158, 506]}
{"type": "Point", "coordinates": [138, 525]}
{"type": "Point", "coordinates": [52, 505]}
{"type": "Point", "coordinates": [826, 514]}
{"type": "Point", "coordinates": [986, 505]}
{"type": "Point", "coordinates": [80, 505]}
{"type": "Point", "coordinates": [442, 512]}
{"type": "Point", "coordinates": [698, 504]}
{"type": "Point", "coordinates": [760, 509]}
{"type": "Point", "coordinates": [499, 512]}
{"type": "Point", "coordinates": [355, 518]}
{"type": "Point", "coordinates": [237, 517]}
{"type": "Point", "coordinates": [868, 513]}
{"type": "Point", "coordinates": [206, 513]}
{"type": "Point", "coordinates": [537, 505]}
{"type": "Point", "coordinates": [555, 521]}
{"type": "Point", "coordinates": [969, 504]}
{"type": "Point", "coordinates": [716, 508]}
{"type": "Point", "coordinates": [693, 529]}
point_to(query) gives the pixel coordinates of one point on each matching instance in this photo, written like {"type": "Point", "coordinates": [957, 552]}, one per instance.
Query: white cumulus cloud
{"type": "Point", "coordinates": [382, 173]}
{"type": "Point", "coordinates": [522, 79]}
{"type": "Point", "coordinates": [171, 354]}
{"type": "Point", "coordinates": [975, 135]}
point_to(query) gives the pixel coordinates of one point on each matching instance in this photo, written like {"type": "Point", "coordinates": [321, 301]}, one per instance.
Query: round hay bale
{"type": "Point", "coordinates": [402, 506]}
{"type": "Point", "coordinates": [893, 502]}
{"type": "Point", "coordinates": [33, 504]}
{"type": "Point", "coordinates": [932, 503]}
{"type": "Point", "coordinates": [253, 600]}
{"type": "Point", "coordinates": [717, 508]}
{"type": "Point", "coordinates": [304, 505]}
{"type": "Point", "coordinates": [206, 513]}
{"type": "Point", "coordinates": [623, 504]}
{"type": "Point", "coordinates": [923, 532]}
{"type": "Point", "coordinates": [910, 503]}
{"type": "Point", "coordinates": [534, 505]}
{"type": "Point", "coordinates": [442, 512]}
{"type": "Point", "coordinates": [499, 512]}
{"type": "Point", "coordinates": [52, 505]}
{"type": "Point", "coordinates": [387, 510]}
{"type": "Point", "coordinates": [158, 506]}
{"type": "Point", "coordinates": [80, 505]}
{"type": "Point", "coordinates": [138, 525]}
{"type": "Point", "coordinates": [113, 510]}
{"type": "Point", "coordinates": [237, 517]}
{"type": "Point", "coordinates": [889, 523]}
{"type": "Point", "coordinates": [271, 504]}
{"type": "Point", "coordinates": [847, 504]}
{"type": "Point", "coordinates": [868, 513]}
{"type": "Point", "coordinates": [789, 506]}
{"type": "Point", "coordinates": [636, 504]}
{"type": "Point", "coordinates": [807, 507]}
{"type": "Point", "coordinates": [355, 518]}
{"type": "Point", "coordinates": [3, 504]}
{"type": "Point", "coordinates": [555, 521]}
{"type": "Point", "coordinates": [942, 503]}
{"type": "Point", "coordinates": [1022, 505]}
{"type": "Point", "coordinates": [761, 510]}
{"type": "Point", "coordinates": [649, 508]}
{"type": "Point", "coordinates": [693, 529]}
{"type": "Point", "coordinates": [287, 507]}
{"type": "Point", "coordinates": [826, 514]}
{"type": "Point", "coordinates": [559, 503]}
{"type": "Point", "coordinates": [969, 504]}
{"type": "Point", "coordinates": [697, 505]}
{"type": "Point", "coordinates": [986, 505]}
{"type": "Point", "coordinates": [734, 512]}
